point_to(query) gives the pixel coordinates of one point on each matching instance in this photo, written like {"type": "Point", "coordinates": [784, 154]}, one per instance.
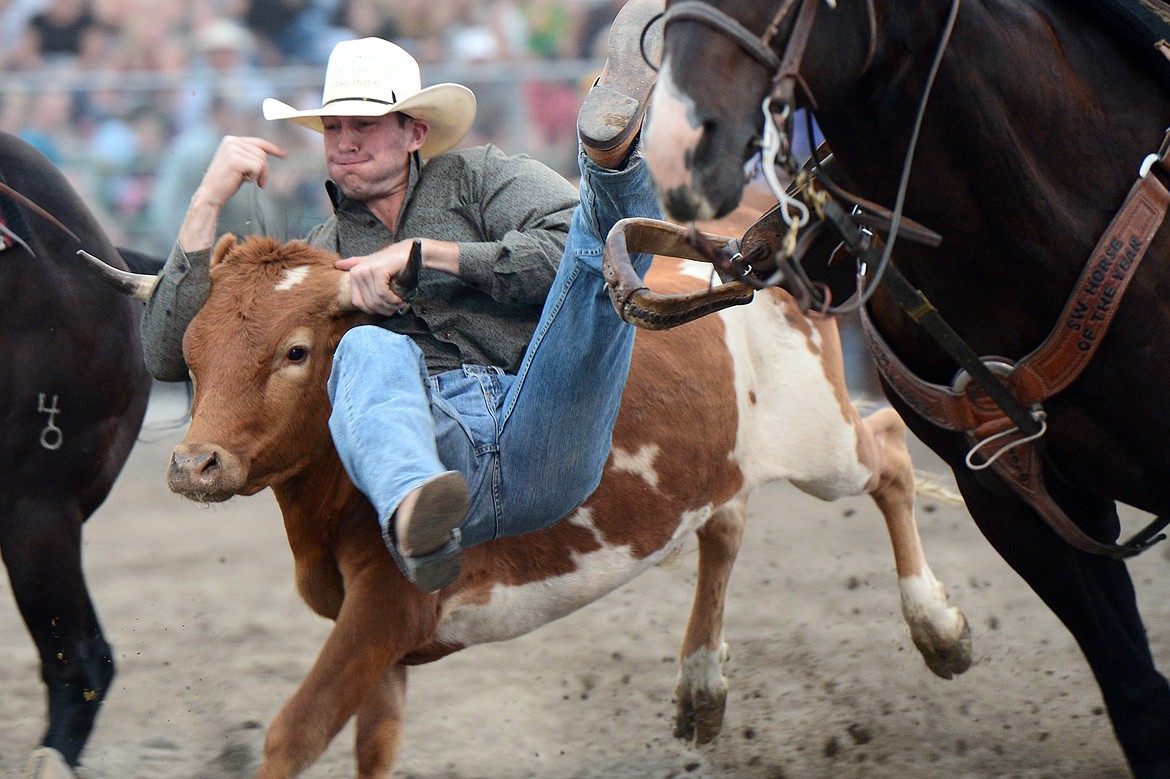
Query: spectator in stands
{"type": "Point", "coordinates": [368, 19]}
{"type": "Point", "coordinates": [60, 28]}
{"type": "Point", "coordinates": [47, 123]}
{"type": "Point", "coordinates": [301, 31]}
{"type": "Point", "coordinates": [472, 34]}
{"type": "Point", "coordinates": [14, 18]}
{"type": "Point", "coordinates": [421, 25]}
{"type": "Point", "coordinates": [551, 27]}
{"type": "Point", "coordinates": [224, 61]}
{"type": "Point", "coordinates": [594, 28]}
{"type": "Point", "coordinates": [183, 164]}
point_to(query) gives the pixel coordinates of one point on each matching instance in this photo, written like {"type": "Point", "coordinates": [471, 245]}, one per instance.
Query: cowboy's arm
{"type": "Point", "coordinates": [371, 275]}
{"type": "Point", "coordinates": [184, 281]}
{"type": "Point", "coordinates": [526, 209]}
{"type": "Point", "coordinates": [183, 285]}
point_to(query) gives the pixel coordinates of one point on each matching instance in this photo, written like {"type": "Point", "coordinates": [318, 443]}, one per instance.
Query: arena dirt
{"type": "Point", "coordinates": [211, 638]}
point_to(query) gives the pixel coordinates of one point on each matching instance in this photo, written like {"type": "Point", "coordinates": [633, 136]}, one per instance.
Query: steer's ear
{"type": "Point", "coordinates": [225, 245]}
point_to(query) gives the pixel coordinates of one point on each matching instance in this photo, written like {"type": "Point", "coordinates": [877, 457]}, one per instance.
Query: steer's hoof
{"type": "Point", "coordinates": [47, 763]}
{"type": "Point", "coordinates": [946, 657]}
{"type": "Point", "coordinates": [701, 695]}
{"type": "Point", "coordinates": [699, 715]}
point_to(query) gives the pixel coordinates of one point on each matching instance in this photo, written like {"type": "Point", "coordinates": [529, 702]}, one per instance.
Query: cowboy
{"type": "Point", "coordinates": [484, 407]}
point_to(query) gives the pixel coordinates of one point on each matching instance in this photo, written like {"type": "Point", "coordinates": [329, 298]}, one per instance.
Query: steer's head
{"type": "Point", "coordinates": [260, 352]}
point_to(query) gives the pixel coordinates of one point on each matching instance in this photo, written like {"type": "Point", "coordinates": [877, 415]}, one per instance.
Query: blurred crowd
{"type": "Point", "coordinates": [130, 97]}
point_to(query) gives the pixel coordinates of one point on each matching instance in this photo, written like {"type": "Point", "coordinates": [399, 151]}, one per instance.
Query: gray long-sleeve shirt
{"type": "Point", "coordinates": [510, 217]}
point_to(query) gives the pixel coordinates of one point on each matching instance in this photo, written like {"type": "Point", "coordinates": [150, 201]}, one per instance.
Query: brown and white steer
{"type": "Point", "coordinates": [712, 411]}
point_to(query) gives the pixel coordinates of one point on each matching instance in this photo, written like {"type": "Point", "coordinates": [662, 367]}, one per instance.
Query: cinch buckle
{"type": "Point", "coordinates": [999, 367]}
{"type": "Point", "coordinates": [1160, 157]}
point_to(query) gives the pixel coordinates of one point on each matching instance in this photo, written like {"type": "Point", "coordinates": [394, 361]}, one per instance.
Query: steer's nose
{"type": "Point", "coordinates": [193, 464]}
{"type": "Point", "coordinates": [201, 472]}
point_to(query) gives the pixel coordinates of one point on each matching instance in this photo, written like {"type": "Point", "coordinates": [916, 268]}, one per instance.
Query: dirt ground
{"type": "Point", "coordinates": [210, 639]}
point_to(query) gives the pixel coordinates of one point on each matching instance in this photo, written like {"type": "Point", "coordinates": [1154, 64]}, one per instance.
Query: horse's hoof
{"type": "Point", "coordinates": [47, 763]}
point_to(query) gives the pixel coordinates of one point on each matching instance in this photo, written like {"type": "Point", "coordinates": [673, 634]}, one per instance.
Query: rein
{"type": "Point", "coordinates": [777, 108]}
{"type": "Point", "coordinates": [704, 13]}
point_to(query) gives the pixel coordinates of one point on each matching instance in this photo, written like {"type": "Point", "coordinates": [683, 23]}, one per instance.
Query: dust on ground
{"type": "Point", "coordinates": [211, 639]}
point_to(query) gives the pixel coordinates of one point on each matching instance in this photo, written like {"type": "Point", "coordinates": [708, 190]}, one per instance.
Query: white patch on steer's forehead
{"type": "Point", "coordinates": [639, 463]}
{"type": "Point", "coordinates": [292, 277]}
{"type": "Point", "coordinates": [515, 610]}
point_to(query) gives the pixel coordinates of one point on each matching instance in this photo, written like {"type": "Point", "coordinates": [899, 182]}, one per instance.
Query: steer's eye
{"type": "Point", "coordinates": [297, 354]}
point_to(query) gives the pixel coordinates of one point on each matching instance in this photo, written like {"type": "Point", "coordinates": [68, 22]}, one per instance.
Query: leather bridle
{"type": "Point", "coordinates": [777, 106]}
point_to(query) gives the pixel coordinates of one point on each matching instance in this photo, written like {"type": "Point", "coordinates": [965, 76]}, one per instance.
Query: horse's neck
{"type": "Point", "coordinates": [1035, 123]}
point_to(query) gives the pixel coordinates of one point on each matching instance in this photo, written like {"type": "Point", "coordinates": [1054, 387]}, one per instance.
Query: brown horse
{"type": "Point", "coordinates": [1039, 114]}
{"type": "Point", "coordinates": [73, 390]}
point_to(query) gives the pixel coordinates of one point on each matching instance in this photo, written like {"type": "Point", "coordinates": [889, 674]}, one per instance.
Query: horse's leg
{"type": "Point", "coordinates": [939, 630]}
{"type": "Point", "coordinates": [379, 725]}
{"type": "Point", "coordinates": [1094, 597]}
{"type": "Point", "coordinates": [41, 546]}
{"type": "Point", "coordinates": [701, 693]}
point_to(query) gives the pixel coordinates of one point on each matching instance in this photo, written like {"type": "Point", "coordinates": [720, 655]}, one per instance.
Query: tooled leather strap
{"type": "Point", "coordinates": [939, 405]}
{"type": "Point", "coordinates": [1016, 460]}
{"type": "Point", "coordinates": [1089, 311]}
{"type": "Point", "coordinates": [1069, 347]}
{"type": "Point", "coordinates": [1021, 467]}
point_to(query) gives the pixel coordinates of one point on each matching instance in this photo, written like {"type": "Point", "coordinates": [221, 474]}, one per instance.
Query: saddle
{"type": "Point", "coordinates": [1142, 26]}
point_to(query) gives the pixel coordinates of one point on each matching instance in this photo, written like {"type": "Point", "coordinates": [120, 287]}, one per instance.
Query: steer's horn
{"type": "Point", "coordinates": [404, 285]}
{"type": "Point", "coordinates": [136, 285]}
{"type": "Point", "coordinates": [344, 292]}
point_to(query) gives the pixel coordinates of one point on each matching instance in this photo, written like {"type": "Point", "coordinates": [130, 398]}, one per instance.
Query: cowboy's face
{"type": "Point", "coordinates": [369, 156]}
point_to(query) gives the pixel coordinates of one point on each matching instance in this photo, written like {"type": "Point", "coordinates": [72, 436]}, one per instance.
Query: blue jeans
{"type": "Point", "coordinates": [532, 446]}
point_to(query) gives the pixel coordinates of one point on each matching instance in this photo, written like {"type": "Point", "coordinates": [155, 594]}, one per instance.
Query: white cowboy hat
{"type": "Point", "coordinates": [373, 77]}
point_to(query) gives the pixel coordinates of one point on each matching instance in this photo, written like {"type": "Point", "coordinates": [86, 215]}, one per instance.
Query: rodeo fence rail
{"type": "Point", "coordinates": [135, 144]}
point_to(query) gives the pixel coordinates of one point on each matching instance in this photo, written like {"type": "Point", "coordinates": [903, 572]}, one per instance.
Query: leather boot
{"type": "Point", "coordinates": [611, 115]}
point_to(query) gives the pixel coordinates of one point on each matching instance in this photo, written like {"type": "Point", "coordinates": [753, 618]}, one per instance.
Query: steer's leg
{"type": "Point", "coordinates": [379, 725]}
{"type": "Point", "coordinates": [881, 461]}
{"type": "Point", "coordinates": [938, 629]}
{"type": "Point", "coordinates": [701, 693]}
{"type": "Point", "coordinates": [358, 657]}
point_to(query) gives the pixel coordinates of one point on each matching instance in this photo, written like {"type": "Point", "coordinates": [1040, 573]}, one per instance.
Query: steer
{"type": "Point", "coordinates": [712, 411]}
